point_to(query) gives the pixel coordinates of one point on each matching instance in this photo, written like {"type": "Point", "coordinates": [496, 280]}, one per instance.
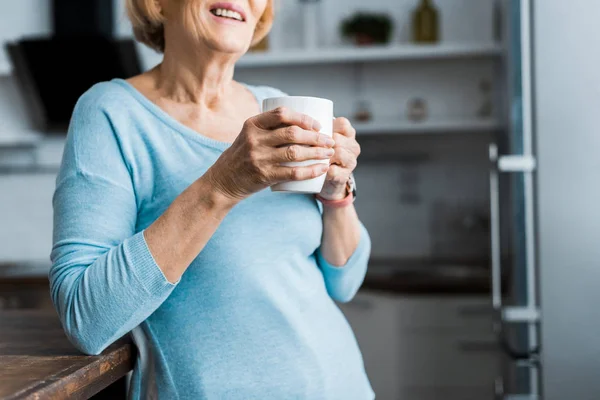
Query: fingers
{"type": "Point", "coordinates": [347, 151]}
{"type": "Point", "coordinates": [302, 153]}
{"type": "Point", "coordinates": [344, 158]}
{"type": "Point", "coordinates": [296, 135]}
{"type": "Point", "coordinates": [337, 175]}
{"type": "Point", "coordinates": [343, 126]}
{"type": "Point", "coordinates": [300, 173]}
{"type": "Point", "coordinates": [283, 116]}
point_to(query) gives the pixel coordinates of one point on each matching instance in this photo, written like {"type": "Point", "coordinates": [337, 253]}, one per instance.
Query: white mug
{"type": "Point", "coordinates": [320, 110]}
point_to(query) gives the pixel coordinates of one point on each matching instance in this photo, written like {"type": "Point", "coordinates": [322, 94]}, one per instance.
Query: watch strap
{"type": "Point", "coordinates": [349, 199]}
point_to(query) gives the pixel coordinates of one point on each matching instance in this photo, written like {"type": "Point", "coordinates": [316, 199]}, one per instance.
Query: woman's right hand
{"type": "Point", "coordinates": [255, 159]}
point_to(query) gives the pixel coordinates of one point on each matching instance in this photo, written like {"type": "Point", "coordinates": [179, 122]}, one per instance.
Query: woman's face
{"type": "Point", "coordinates": [226, 26]}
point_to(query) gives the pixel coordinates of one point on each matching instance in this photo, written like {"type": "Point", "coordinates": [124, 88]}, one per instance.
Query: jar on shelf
{"type": "Point", "coordinates": [425, 23]}
{"type": "Point", "coordinates": [362, 112]}
{"type": "Point", "coordinates": [416, 110]}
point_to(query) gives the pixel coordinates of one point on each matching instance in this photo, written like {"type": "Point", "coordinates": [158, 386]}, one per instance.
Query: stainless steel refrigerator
{"type": "Point", "coordinates": [545, 202]}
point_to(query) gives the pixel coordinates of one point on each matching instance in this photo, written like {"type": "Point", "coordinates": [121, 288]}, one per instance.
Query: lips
{"type": "Point", "coordinates": [228, 11]}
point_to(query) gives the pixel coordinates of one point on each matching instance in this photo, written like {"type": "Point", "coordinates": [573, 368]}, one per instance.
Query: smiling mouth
{"type": "Point", "coordinates": [227, 14]}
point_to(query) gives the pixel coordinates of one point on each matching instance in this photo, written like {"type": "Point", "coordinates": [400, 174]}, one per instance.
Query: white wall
{"type": "Point", "coordinates": [23, 17]}
{"type": "Point", "coordinates": [453, 168]}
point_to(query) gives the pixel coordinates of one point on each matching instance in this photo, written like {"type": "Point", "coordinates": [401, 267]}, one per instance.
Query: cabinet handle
{"type": "Point", "coordinates": [478, 345]}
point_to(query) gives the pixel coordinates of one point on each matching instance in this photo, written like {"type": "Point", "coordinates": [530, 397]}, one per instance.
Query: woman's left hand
{"type": "Point", "coordinates": [343, 161]}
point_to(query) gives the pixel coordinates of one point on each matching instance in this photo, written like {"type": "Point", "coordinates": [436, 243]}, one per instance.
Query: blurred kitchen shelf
{"type": "Point", "coordinates": [442, 126]}
{"type": "Point", "coordinates": [371, 53]}
{"type": "Point", "coordinates": [341, 55]}
{"type": "Point", "coordinates": [358, 54]}
{"type": "Point", "coordinates": [22, 140]}
{"type": "Point", "coordinates": [29, 169]}
{"type": "Point", "coordinates": [26, 146]}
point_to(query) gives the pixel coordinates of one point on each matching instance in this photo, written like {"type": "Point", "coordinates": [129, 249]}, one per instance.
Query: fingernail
{"type": "Point", "coordinates": [329, 141]}
{"type": "Point", "coordinates": [329, 152]}
{"type": "Point", "coordinates": [316, 126]}
{"type": "Point", "coordinates": [324, 167]}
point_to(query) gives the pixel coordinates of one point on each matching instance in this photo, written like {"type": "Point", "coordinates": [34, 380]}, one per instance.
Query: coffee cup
{"type": "Point", "coordinates": [319, 109]}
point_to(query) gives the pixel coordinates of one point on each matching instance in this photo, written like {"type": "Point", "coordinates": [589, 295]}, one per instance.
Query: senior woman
{"type": "Point", "coordinates": [165, 228]}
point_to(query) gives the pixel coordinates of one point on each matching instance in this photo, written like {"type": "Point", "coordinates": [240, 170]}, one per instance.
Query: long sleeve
{"type": "Point", "coordinates": [103, 280]}
{"type": "Point", "coordinates": [343, 282]}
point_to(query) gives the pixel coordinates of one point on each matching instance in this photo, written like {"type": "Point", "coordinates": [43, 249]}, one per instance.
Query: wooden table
{"type": "Point", "coordinates": [38, 362]}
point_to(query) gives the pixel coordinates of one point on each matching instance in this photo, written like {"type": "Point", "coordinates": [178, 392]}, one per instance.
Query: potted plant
{"type": "Point", "coordinates": [365, 28]}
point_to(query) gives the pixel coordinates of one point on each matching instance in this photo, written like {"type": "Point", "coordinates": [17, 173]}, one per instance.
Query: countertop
{"type": "Point", "coordinates": [418, 276]}
{"type": "Point", "coordinates": [24, 270]}
{"type": "Point", "coordinates": [38, 362]}
{"type": "Point", "coordinates": [430, 277]}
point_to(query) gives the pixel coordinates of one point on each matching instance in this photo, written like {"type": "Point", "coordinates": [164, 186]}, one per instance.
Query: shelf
{"type": "Point", "coordinates": [370, 54]}
{"type": "Point", "coordinates": [357, 54]}
{"type": "Point", "coordinates": [29, 153]}
{"type": "Point", "coordinates": [400, 127]}
{"type": "Point", "coordinates": [342, 55]}
{"type": "Point", "coordinates": [23, 140]}
{"type": "Point", "coordinates": [387, 126]}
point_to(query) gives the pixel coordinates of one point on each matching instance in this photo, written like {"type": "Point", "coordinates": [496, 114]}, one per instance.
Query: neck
{"type": "Point", "coordinates": [202, 77]}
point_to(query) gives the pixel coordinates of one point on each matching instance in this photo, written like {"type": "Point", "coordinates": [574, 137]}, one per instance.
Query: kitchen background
{"type": "Point", "coordinates": [429, 112]}
{"type": "Point", "coordinates": [436, 168]}
{"type": "Point", "coordinates": [450, 305]}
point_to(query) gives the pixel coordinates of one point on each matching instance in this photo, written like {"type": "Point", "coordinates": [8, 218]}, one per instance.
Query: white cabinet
{"type": "Point", "coordinates": [375, 321]}
{"type": "Point", "coordinates": [426, 347]}
{"type": "Point", "coordinates": [441, 359]}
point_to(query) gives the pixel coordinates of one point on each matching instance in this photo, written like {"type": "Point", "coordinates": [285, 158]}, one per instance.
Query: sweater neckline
{"type": "Point", "coordinates": [175, 124]}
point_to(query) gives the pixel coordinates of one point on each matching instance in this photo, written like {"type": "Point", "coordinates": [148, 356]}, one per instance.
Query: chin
{"type": "Point", "coordinates": [230, 45]}
{"type": "Point", "coordinates": [228, 28]}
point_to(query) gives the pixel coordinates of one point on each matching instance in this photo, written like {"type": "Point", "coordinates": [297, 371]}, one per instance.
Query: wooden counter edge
{"type": "Point", "coordinates": [88, 380]}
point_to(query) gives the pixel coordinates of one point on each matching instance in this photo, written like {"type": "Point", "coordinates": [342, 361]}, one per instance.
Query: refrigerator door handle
{"type": "Point", "coordinates": [505, 164]}
{"type": "Point", "coordinates": [496, 268]}
{"type": "Point", "coordinates": [528, 314]}
{"type": "Point", "coordinates": [516, 163]}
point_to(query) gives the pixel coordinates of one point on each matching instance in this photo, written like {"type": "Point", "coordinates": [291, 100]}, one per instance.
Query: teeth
{"type": "Point", "coordinates": [221, 12]}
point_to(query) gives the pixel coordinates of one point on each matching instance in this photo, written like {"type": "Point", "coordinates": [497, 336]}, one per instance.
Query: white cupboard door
{"type": "Point", "coordinates": [373, 318]}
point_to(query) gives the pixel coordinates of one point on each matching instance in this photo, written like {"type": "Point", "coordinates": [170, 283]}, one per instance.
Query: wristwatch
{"type": "Point", "coordinates": [351, 185]}
{"type": "Point", "coordinates": [346, 201]}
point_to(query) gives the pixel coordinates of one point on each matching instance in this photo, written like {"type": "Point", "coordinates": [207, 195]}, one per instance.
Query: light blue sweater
{"type": "Point", "coordinates": [253, 317]}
